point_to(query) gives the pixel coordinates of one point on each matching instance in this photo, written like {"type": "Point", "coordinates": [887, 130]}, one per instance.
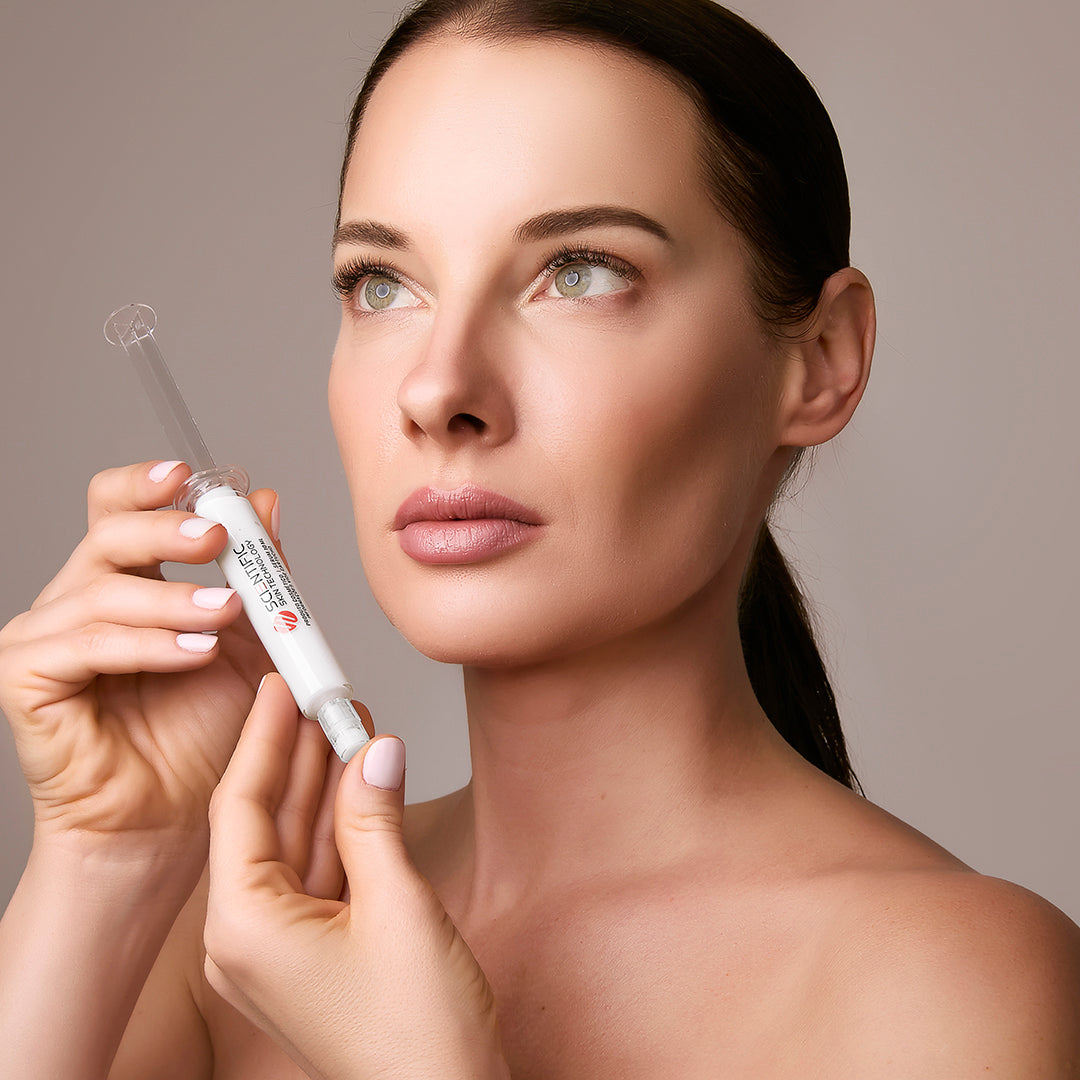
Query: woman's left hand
{"type": "Point", "coordinates": [378, 985]}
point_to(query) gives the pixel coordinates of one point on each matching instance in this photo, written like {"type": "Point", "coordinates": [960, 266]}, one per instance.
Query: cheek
{"type": "Point", "coordinates": [660, 445]}
{"type": "Point", "coordinates": [359, 414]}
{"type": "Point", "coordinates": [681, 435]}
{"type": "Point", "coordinates": [343, 400]}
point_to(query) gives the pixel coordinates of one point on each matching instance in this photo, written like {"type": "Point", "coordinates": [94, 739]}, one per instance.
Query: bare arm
{"type": "Point", "coordinates": [77, 943]}
{"type": "Point", "coordinates": [167, 1036]}
{"type": "Point", "coordinates": [124, 711]}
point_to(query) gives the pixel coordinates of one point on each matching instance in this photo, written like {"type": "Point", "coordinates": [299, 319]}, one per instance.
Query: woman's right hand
{"type": "Point", "coordinates": [124, 710]}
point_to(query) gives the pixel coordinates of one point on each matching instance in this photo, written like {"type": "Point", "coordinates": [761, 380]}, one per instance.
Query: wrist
{"type": "Point", "coordinates": [77, 942]}
{"type": "Point", "coordinates": [161, 866]}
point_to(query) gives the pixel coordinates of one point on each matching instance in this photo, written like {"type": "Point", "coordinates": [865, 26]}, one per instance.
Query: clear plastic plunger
{"type": "Point", "coordinates": [132, 328]}
{"type": "Point", "coordinates": [250, 561]}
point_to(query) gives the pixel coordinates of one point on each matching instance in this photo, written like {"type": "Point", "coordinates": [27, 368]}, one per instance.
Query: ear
{"type": "Point", "coordinates": [828, 366]}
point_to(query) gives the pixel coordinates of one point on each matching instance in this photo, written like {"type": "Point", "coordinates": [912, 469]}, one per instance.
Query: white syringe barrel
{"type": "Point", "coordinates": [275, 608]}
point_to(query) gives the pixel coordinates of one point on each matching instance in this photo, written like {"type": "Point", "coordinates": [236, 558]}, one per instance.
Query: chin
{"type": "Point", "coordinates": [491, 617]}
{"type": "Point", "coordinates": [473, 640]}
{"type": "Point", "coordinates": [483, 624]}
{"type": "Point", "coordinates": [518, 631]}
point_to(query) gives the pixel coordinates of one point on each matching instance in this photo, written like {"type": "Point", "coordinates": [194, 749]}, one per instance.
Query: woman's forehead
{"type": "Point", "coordinates": [465, 128]}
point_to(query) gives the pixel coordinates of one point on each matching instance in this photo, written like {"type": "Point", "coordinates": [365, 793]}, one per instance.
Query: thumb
{"type": "Point", "coordinates": [368, 814]}
{"type": "Point", "coordinates": [268, 507]}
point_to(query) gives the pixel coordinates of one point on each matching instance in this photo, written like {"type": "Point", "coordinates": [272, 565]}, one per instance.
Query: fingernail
{"type": "Point", "coordinates": [384, 763]}
{"type": "Point", "coordinates": [163, 469]}
{"type": "Point", "coordinates": [212, 599]}
{"type": "Point", "coordinates": [275, 521]}
{"type": "Point", "coordinates": [199, 643]}
{"type": "Point", "coordinates": [195, 527]}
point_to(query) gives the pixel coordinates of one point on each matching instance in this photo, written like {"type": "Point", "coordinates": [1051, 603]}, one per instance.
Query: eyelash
{"type": "Point", "coordinates": [350, 274]}
{"type": "Point", "coordinates": [567, 256]}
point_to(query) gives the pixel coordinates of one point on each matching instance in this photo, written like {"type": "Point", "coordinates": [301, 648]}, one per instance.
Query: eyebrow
{"type": "Point", "coordinates": [370, 232]}
{"type": "Point", "coordinates": [541, 227]}
{"type": "Point", "coordinates": [559, 222]}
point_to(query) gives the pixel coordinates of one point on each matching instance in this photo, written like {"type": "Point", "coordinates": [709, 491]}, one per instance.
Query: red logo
{"type": "Point", "coordinates": [284, 621]}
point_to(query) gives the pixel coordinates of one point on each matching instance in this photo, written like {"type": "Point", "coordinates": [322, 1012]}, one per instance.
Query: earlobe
{"type": "Point", "coordinates": [829, 365]}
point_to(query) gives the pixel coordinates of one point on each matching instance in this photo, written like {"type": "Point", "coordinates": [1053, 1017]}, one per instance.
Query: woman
{"type": "Point", "coordinates": [595, 302]}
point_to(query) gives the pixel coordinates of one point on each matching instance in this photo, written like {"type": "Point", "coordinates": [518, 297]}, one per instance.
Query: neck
{"type": "Point", "coordinates": [613, 760]}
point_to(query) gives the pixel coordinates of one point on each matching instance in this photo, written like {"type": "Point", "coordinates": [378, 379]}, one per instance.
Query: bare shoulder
{"type": "Point", "coordinates": [937, 971]}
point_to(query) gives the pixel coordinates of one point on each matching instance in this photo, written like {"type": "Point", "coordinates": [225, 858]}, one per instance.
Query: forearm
{"type": "Point", "coordinates": [77, 942]}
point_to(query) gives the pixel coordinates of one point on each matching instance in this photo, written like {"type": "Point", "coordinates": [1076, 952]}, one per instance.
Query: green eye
{"type": "Point", "coordinates": [380, 292]}
{"type": "Point", "coordinates": [573, 280]}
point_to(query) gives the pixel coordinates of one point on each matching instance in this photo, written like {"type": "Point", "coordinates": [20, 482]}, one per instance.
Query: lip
{"type": "Point", "coordinates": [466, 525]}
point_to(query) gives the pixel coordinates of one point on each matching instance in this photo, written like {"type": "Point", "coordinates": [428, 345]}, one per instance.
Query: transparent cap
{"type": "Point", "coordinates": [198, 484]}
{"type": "Point", "coordinates": [343, 727]}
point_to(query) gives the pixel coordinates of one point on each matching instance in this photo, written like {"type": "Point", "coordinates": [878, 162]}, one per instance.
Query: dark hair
{"type": "Point", "coordinates": [774, 168]}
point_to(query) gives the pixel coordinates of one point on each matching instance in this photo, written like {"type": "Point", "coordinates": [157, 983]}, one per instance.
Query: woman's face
{"type": "Point", "coordinates": [555, 406]}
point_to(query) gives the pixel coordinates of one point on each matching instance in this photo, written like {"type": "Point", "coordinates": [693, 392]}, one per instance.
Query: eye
{"type": "Point", "coordinates": [370, 288]}
{"type": "Point", "coordinates": [584, 275]}
{"type": "Point", "coordinates": [378, 292]}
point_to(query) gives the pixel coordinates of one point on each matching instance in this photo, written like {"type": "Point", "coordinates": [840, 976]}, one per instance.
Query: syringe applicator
{"type": "Point", "coordinates": [250, 561]}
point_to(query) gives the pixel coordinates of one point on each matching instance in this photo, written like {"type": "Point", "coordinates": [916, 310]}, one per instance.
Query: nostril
{"type": "Point", "coordinates": [462, 423]}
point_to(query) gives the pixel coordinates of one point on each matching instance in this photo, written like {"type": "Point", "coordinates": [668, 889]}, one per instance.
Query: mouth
{"type": "Point", "coordinates": [467, 525]}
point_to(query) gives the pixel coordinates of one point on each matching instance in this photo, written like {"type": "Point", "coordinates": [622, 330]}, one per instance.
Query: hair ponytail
{"type": "Point", "coordinates": [785, 667]}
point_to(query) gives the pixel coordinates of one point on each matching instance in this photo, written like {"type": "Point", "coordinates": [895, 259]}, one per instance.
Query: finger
{"type": "Point", "coordinates": [302, 795]}
{"type": "Point", "coordinates": [146, 486]}
{"type": "Point", "coordinates": [48, 669]}
{"type": "Point", "coordinates": [134, 601]}
{"type": "Point", "coordinates": [368, 815]}
{"type": "Point", "coordinates": [365, 718]}
{"type": "Point", "coordinates": [137, 540]}
{"type": "Point", "coordinates": [247, 874]}
{"type": "Point", "coordinates": [325, 875]}
{"type": "Point", "coordinates": [268, 507]}
{"type": "Point", "coordinates": [245, 848]}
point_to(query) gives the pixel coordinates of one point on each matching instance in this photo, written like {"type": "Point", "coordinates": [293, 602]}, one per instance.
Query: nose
{"type": "Point", "coordinates": [457, 392]}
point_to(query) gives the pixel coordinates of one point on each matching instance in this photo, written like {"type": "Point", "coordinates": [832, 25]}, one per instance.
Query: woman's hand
{"type": "Point", "coordinates": [124, 709]}
{"type": "Point", "coordinates": [377, 986]}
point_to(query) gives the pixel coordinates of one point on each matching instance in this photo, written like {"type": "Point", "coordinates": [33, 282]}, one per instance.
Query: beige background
{"type": "Point", "coordinates": [185, 155]}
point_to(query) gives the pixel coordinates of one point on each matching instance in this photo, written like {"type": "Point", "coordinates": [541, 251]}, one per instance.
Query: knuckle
{"type": "Point", "coordinates": [97, 593]}
{"type": "Point", "coordinates": [100, 486]}
{"type": "Point", "coordinates": [376, 822]}
{"type": "Point", "coordinates": [99, 531]}
{"type": "Point", "coordinates": [19, 687]}
{"type": "Point", "coordinates": [116, 538]}
{"type": "Point", "coordinates": [13, 631]}
{"type": "Point", "coordinates": [98, 637]}
{"type": "Point", "coordinates": [6, 673]}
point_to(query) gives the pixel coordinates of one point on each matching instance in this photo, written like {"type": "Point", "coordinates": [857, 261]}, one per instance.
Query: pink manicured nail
{"type": "Point", "coordinates": [163, 469]}
{"type": "Point", "coordinates": [195, 527]}
{"type": "Point", "coordinates": [384, 763]}
{"type": "Point", "coordinates": [275, 521]}
{"type": "Point", "coordinates": [212, 599]}
{"type": "Point", "coordinates": [200, 643]}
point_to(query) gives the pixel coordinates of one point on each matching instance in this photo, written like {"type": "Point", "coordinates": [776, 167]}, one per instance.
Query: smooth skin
{"type": "Point", "coordinates": [122, 733]}
{"type": "Point", "coordinates": [642, 879]}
